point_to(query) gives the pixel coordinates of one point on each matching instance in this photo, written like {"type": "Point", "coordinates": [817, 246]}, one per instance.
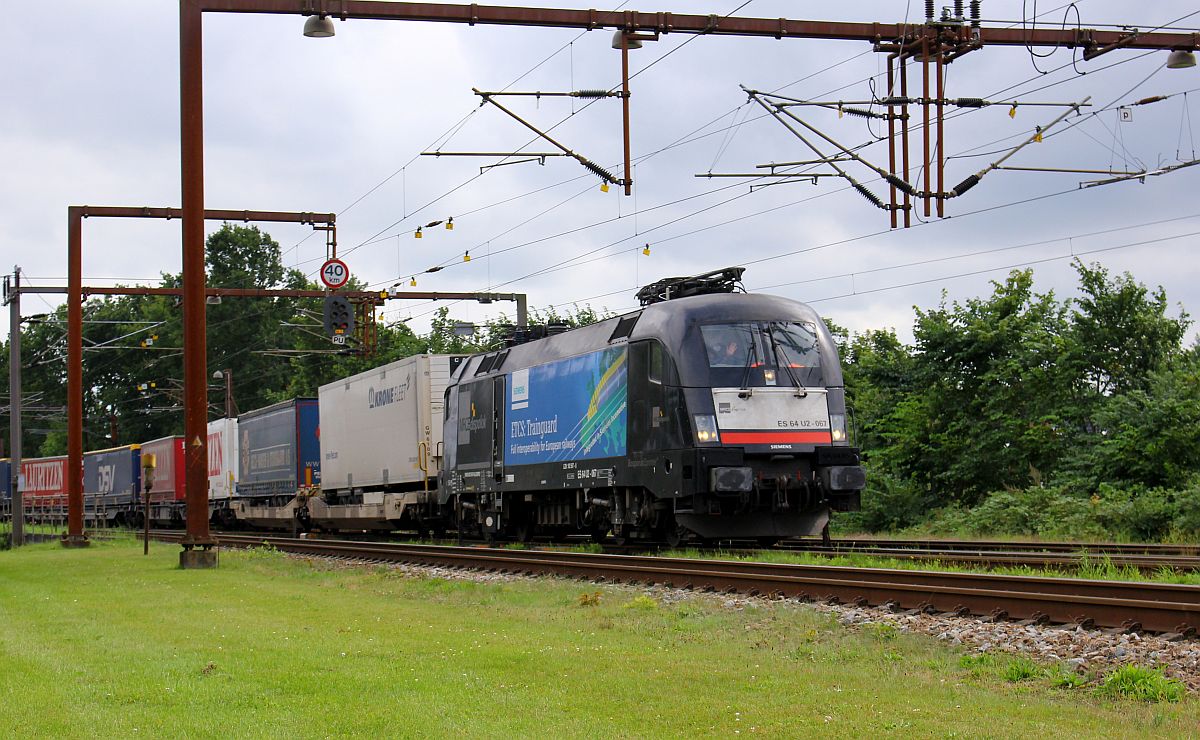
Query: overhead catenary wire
{"type": "Point", "coordinates": [1074, 254]}
{"type": "Point", "coordinates": [789, 84]}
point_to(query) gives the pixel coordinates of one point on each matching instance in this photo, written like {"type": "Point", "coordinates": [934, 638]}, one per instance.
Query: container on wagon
{"type": "Point", "coordinates": [222, 458]}
{"type": "Point", "coordinates": [112, 477]}
{"type": "Point", "coordinates": [45, 479]}
{"type": "Point", "coordinates": [169, 472]}
{"type": "Point", "coordinates": [379, 424]}
{"type": "Point", "coordinates": [279, 449]}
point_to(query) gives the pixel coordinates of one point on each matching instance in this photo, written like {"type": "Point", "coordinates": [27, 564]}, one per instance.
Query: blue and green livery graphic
{"type": "Point", "coordinates": [571, 409]}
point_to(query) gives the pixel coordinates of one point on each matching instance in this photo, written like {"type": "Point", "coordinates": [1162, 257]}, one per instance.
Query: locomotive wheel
{"type": "Point", "coordinates": [675, 536]}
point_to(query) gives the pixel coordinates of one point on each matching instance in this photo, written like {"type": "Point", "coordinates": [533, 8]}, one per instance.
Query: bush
{"type": "Point", "coordinates": [888, 503]}
{"type": "Point", "coordinates": [1186, 524]}
{"type": "Point", "coordinates": [1046, 512]}
{"type": "Point", "coordinates": [1058, 512]}
{"type": "Point", "coordinates": [1142, 513]}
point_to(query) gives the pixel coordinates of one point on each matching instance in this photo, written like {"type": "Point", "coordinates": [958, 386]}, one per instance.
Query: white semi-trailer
{"type": "Point", "coordinates": [381, 433]}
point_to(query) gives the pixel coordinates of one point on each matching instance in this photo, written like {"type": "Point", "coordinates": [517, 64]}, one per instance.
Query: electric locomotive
{"type": "Point", "coordinates": [707, 414]}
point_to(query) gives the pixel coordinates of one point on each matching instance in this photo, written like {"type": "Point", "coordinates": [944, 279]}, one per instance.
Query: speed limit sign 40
{"type": "Point", "coordinates": [334, 274]}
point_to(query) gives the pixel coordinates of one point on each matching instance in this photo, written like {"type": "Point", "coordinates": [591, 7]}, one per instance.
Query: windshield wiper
{"type": "Point", "coordinates": [781, 358]}
{"type": "Point", "coordinates": [751, 356]}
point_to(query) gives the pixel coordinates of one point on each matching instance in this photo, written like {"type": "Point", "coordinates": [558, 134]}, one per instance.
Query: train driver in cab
{"type": "Point", "coordinates": [728, 348]}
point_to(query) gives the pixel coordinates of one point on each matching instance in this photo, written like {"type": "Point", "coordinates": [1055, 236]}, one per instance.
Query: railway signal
{"type": "Point", "coordinates": [339, 318]}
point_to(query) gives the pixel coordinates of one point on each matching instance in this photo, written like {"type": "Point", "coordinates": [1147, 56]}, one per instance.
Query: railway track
{"type": "Point", "coordinates": [1145, 558]}
{"type": "Point", "coordinates": [1133, 606]}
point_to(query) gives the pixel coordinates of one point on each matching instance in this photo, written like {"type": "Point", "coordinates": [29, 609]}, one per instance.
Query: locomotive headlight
{"type": "Point", "coordinates": [706, 428]}
{"type": "Point", "coordinates": [837, 428]}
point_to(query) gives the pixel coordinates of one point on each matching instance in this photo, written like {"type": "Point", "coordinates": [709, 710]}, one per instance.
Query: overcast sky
{"type": "Point", "coordinates": [91, 116]}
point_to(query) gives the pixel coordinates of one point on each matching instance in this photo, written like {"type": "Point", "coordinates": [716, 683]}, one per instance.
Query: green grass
{"type": "Point", "coordinates": [1145, 684]}
{"type": "Point", "coordinates": [104, 642]}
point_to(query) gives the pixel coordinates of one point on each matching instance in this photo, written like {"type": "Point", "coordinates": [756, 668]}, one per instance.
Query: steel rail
{"type": "Point", "coordinates": [1154, 607]}
{"type": "Point", "coordinates": [1145, 563]}
{"type": "Point", "coordinates": [1091, 548]}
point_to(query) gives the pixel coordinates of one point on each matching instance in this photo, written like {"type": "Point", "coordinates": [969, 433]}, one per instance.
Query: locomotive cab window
{"type": "Point", "coordinates": [731, 345]}
{"type": "Point", "coordinates": [765, 353]}
{"type": "Point", "coordinates": [793, 344]}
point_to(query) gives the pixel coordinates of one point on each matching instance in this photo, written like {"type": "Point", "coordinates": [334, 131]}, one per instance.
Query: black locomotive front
{"type": "Point", "coordinates": [707, 417]}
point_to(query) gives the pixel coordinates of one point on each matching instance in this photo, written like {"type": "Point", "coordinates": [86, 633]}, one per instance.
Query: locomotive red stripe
{"type": "Point", "coordinates": [763, 438]}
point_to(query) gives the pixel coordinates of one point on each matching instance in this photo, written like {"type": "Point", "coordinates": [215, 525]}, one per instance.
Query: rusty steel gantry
{"type": "Point", "coordinates": [901, 35]}
{"type": "Point", "coordinates": [76, 292]}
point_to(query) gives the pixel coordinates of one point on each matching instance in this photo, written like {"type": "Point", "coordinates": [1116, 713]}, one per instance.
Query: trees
{"type": "Point", "coordinates": [1019, 390]}
{"type": "Point", "coordinates": [986, 409]}
{"type": "Point", "coordinates": [1148, 435]}
{"type": "Point", "coordinates": [1121, 333]}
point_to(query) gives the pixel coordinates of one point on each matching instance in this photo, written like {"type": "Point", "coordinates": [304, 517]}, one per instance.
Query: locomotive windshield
{"type": "Point", "coordinates": [763, 353]}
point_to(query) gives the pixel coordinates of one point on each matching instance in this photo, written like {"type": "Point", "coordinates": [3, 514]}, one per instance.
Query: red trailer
{"type": "Point", "coordinates": [168, 491]}
{"type": "Point", "coordinates": [45, 484]}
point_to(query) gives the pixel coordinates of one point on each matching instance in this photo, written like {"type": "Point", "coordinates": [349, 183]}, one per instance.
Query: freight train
{"type": "Point", "coordinates": [706, 414]}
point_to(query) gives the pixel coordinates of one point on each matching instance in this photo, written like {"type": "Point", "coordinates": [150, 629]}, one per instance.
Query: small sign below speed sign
{"type": "Point", "coordinates": [334, 274]}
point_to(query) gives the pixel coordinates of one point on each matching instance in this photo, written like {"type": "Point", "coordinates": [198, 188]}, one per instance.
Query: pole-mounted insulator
{"type": "Point", "coordinates": [965, 185]}
{"type": "Point", "coordinates": [929, 11]}
{"type": "Point", "coordinates": [862, 112]}
{"type": "Point", "coordinates": [958, 10]}
{"type": "Point", "coordinates": [900, 184]}
{"type": "Point", "coordinates": [969, 102]}
{"type": "Point", "coordinates": [862, 190]}
{"type": "Point", "coordinates": [592, 93]}
{"type": "Point", "coordinates": [975, 13]}
{"type": "Point", "coordinates": [598, 170]}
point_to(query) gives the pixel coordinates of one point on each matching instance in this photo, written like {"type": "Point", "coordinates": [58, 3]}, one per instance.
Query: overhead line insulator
{"type": "Point", "coordinates": [862, 190]}
{"type": "Point", "coordinates": [593, 94]}
{"type": "Point", "coordinates": [965, 185]}
{"type": "Point", "coordinates": [900, 184]}
{"type": "Point", "coordinates": [861, 112]}
{"type": "Point", "coordinates": [598, 170]}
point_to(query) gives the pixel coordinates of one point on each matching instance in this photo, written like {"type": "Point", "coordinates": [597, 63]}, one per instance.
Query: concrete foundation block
{"type": "Point", "coordinates": [196, 559]}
